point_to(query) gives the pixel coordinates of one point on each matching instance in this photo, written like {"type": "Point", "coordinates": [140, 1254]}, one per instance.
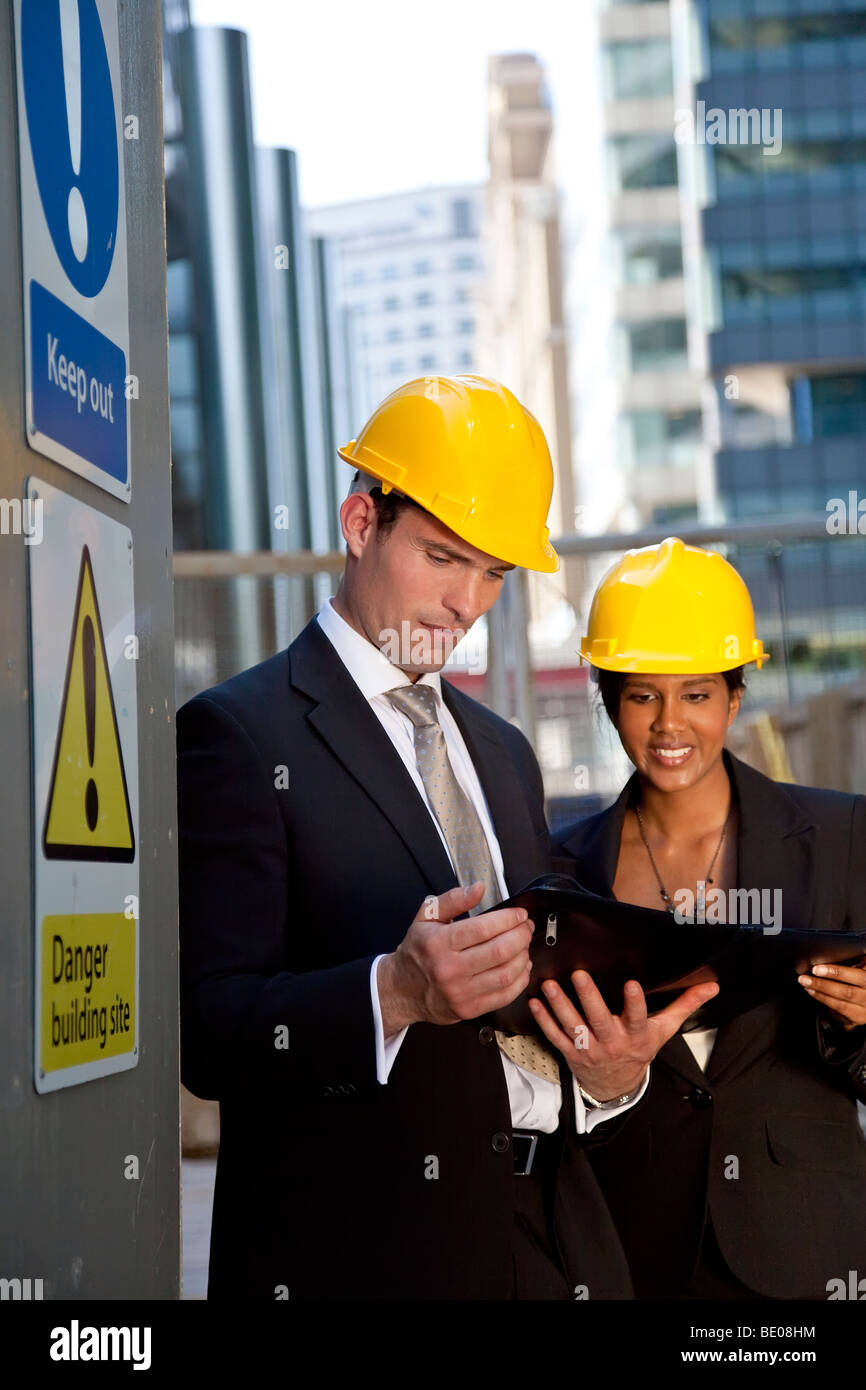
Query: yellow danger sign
{"type": "Point", "coordinates": [87, 988]}
{"type": "Point", "coordinates": [88, 815]}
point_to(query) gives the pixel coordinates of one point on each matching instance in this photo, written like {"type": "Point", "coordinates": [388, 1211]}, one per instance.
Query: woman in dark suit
{"type": "Point", "coordinates": [742, 1173]}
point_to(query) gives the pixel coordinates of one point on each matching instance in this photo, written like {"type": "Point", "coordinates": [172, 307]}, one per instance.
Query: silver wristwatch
{"type": "Point", "coordinates": [611, 1104]}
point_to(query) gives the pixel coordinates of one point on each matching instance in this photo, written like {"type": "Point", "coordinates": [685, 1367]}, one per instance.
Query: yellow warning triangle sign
{"type": "Point", "coordinates": [88, 815]}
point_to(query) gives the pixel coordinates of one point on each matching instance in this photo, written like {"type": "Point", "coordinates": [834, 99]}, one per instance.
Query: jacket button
{"type": "Point", "coordinates": [700, 1098]}
{"type": "Point", "coordinates": [500, 1142]}
{"type": "Point", "coordinates": [485, 1035]}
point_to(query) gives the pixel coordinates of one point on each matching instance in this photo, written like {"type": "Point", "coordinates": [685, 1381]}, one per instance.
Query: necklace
{"type": "Point", "coordinates": [701, 902]}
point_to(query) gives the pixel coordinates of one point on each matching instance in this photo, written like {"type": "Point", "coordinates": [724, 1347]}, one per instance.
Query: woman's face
{"type": "Point", "coordinates": [673, 727]}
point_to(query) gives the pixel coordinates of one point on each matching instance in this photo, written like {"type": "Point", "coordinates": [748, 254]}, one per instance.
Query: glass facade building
{"type": "Point", "coordinates": [260, 375]}
{"type": "Point", "coordinates": [784, 232]}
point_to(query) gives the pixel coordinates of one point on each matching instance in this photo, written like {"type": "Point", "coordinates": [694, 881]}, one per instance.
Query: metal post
{"type": "Point", "coordinates": [774, 554]}
{"type": "Point", "coordinates": [89, 1172]}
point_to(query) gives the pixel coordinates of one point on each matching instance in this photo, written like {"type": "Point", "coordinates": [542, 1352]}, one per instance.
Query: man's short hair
{"type": "Point", "coordinates": [389, 506]}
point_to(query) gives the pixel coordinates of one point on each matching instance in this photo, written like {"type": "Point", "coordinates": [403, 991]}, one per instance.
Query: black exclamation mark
{"type": "Point", "coordinates": [88, 658]}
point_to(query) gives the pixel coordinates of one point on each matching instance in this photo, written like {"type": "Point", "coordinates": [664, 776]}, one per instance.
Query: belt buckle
{"type": "Point", "coordinates": [525, 1144]}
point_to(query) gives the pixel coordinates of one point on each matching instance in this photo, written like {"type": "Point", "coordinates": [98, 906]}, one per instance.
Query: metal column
{"type": "Point", "coordinates": [71, 1213]}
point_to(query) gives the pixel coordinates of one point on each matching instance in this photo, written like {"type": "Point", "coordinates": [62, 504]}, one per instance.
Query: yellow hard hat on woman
{"type": "Point", "coordinates": [467, 451]}
{"type": "Point", "coordinates": [672, 608]}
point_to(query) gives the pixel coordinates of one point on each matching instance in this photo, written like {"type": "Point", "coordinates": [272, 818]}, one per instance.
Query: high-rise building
{"type": "Point", "coordinates": [259, 380]}
{"type": "Point", "coordinates": [781, 123]}
{"type": "Point", "coordinates": [639, 366]}
{"type": "Point", "coordinates": [523, 336]}
{"type": "Point", "coordinates": [409, 266]}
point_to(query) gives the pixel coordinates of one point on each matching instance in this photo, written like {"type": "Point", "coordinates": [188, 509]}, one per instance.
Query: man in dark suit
{"type": "Point", "coordinates": [747, 1179]}
{"type": "Point", "coordinates": [332, 985]}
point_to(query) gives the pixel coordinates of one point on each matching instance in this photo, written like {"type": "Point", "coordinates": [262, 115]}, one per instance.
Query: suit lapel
{"type": "Point", "coordinates": [776, 845]}
{"type": "Point", "coordinates": [600, 852]}
{"type": "Point", "coordinates": [343, 718]}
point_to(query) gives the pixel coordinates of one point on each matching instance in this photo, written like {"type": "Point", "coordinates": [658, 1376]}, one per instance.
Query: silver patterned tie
{"type": "Point", "coordinates": [465, 838]}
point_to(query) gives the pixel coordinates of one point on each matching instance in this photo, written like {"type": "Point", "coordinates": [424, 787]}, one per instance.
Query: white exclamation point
{"type": "Point", "coordinates": [70, 42]}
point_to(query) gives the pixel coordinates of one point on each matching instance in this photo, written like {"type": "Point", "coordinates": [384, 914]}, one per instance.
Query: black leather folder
{"type": "Point", "coordinates": [615, 942]}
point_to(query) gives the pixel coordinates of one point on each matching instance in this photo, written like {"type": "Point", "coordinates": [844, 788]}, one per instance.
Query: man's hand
{"type": "Point", "coordinates": [609, 1053]}
{"type": "Point", "coordinates": [444, 971]}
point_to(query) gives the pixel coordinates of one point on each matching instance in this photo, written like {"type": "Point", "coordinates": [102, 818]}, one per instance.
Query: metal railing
{"type": "Point", "coordinates": [809, 591]}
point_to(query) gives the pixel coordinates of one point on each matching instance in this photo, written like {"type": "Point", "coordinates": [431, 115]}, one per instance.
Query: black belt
{"type": "Point", "coordinates": [529, 1147]}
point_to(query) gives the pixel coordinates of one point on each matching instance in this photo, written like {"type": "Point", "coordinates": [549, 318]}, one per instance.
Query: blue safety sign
{"type": "Point", "coordinates": [73, 223]}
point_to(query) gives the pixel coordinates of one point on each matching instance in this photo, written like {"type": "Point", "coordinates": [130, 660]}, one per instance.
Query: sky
{"type": "Point", "coordinates": [382, 95]}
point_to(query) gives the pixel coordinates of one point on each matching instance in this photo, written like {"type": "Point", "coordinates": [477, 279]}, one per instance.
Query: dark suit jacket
{"type": "Point", "coordinates": [286, 896]}
{"type": "Point", "coordinates": [778, 1095]}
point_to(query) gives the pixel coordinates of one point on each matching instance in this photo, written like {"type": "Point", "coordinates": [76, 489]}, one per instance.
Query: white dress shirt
{"type": "Point", "coordinates": [534, 1101]}
{"type": "Point", "coordinates": [701, 1041]}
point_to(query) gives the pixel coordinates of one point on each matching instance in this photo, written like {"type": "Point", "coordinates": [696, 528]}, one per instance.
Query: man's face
{"type": "Point", "coordinates": [416, 589]}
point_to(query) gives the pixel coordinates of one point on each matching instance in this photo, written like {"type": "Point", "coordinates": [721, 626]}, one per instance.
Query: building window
{"type": "Point", "coordinates": [462, 213]}
{"type": "Point", "coordinates": [664, 438]}
{"type": "Point", "coordinates": [427, 363]}
{"type": "Point", "coordinates": [394, 335]}
{"type": "Point", "coordinates": [465, 326]}
{"type": "Point", "coordinates": [650, 254]}
{"type": "Point", "coordinates": [819, 164]}
{"type": "Point", "coordinates": [425, 297]}
{"type": "Point", "coordinates": [464, 262]}
{"type": "Point", "coordinates": [461, 294]}
{"type": "Point", "coordinates": [836, 405]}
{"type": "Point", "coordinates": [793, 292]}
{"type": "Point", "coordinates": [675, 515]}
{"type": "Point", "coordinates": [396, 367]}
{"type": "Point", "coordinates": [641, 69]}
{"type": "Point", "coordinates": [644, 161]}
{"type": "Point", "coordinates": [659, 345]}
{"type": "Point", "coordinates": [391, 303]}
{"type": "Point", "coordinates": [422, 268]}
{"type": "Point", "coordinates": [755, 43]}
{"type": "Point", "coordinates": [357, 277]}
{"type": "Point", "coordinates": [426, 330]}
{"type": "Point", "coordinates": [465, 360]}
{"type": "Point", "coordinates": [389, 272]}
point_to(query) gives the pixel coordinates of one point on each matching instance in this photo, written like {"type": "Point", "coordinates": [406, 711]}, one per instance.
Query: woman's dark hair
{"type": "Point", "coordinates": [610, 684]}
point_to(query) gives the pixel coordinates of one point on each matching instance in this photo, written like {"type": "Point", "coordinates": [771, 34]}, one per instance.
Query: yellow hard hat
{"type": "Point", "coordinates": [672, 608]}
{"type": "Point", "coordinates": [465, 449]}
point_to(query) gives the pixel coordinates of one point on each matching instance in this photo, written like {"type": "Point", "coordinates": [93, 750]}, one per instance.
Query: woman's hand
{"type": "Point", "coordinates": [842, 989]}
{"type": "Point", "coordinates": [609, 1053]}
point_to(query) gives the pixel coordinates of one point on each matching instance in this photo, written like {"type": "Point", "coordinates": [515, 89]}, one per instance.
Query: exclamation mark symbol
{"type": "Point", "coordinates": [88, 661]}
{"type": "Point", "coordinates": [70, 43]}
